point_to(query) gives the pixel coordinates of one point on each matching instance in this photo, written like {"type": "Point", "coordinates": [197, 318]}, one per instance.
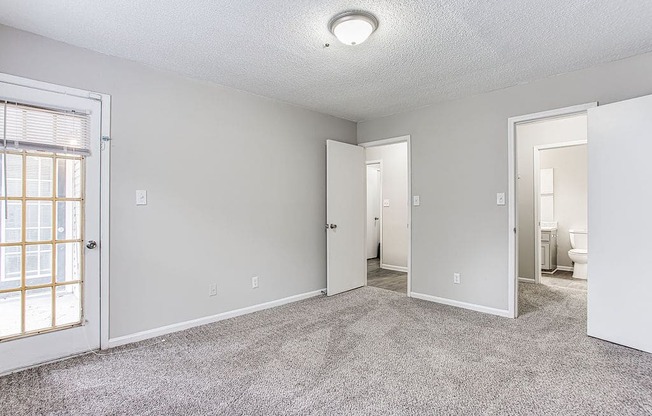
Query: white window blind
{"type": "Point", "coordinates": [34, 128]}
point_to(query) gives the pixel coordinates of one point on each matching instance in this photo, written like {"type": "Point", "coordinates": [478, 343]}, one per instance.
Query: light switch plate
{"type": "Point", "coordinates": [416, 201]}
{"type": "Point", "coordinates": [385, 202]}
{"type": "Point", "coordinates": [500, 198]}
{"type": "Point", "coordinates": [141, 197]}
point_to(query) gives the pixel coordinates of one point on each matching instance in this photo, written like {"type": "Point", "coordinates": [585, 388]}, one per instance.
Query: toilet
{"type": "Point", "coordinates": [579, 253]}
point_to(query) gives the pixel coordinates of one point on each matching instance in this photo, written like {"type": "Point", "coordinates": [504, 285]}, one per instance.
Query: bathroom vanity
{"type": "Point", "coordinates": [548, 249]}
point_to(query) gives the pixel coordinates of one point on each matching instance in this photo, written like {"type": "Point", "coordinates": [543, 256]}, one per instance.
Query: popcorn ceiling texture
{"type": "Point", "coordinates": [423, 52]}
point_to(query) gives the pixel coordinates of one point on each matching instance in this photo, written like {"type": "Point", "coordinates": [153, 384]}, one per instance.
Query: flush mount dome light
{"type": "Point", "coordinates": [353, 27]}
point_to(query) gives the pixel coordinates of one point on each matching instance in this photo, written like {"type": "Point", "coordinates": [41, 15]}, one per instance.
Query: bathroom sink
{"type": "Point", "coordinates": [548, 225]}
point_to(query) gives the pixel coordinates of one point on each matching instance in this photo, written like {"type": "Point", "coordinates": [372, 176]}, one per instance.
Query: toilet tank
{"type": "Point", "coordinates": [579, 238]}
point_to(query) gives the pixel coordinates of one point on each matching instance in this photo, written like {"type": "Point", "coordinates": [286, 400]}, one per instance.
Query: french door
{"type": "Point", "coordinates": [49, 226]}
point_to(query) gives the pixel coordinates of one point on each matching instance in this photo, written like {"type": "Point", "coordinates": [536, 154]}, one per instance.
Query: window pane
{"type": "Point", "coordinates": [38, 309]}
{"type": "Point", "coordinates": [39, 176]}
{"type": "Point", "coordinates": [10, 228]}
{"type": "Point", "coordinates": [10, 312]}
{"type": "Point", "coordinates": [38, 221]}
{"type": "Point", "coordinates": [68, 262]}
{"type": "Point", "coordinates": [68, 301]}
{"type": "Point", "coordinates": [14, 175]}
{"type": "Point", "coordinates": [69, 178]}
{"type": "Point", "coordinates": [38, 264]}
{"type": "Point", "coordinates": [10, 259]}
{"type": "Point", "coordinates": [68, 220]}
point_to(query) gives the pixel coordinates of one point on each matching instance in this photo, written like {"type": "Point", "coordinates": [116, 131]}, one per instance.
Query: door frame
{"type": "Point", "coordinates": [512, 196]}
{"type": "Point", "coordinates": [383, 142]}
{"type": "Point", "coordinates": [105, 184]}
{"type": "Point", "coordinates": [537, 199]}
{"type": "Point", "coordinates": [380, 202]}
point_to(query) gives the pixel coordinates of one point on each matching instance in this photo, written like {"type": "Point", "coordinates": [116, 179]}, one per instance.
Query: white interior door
{"type": "Point", "coordinates": [619, 278]}
{"type": "Point", "coordinates": [49, 279]}
{"type": "Point", "coordinates": [373, 210]}
{"type": "Point", "coordinates": [345, 217]}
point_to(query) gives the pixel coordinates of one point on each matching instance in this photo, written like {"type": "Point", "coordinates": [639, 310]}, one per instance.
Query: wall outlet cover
{"type": "Point", "coordinates": [385, 202]}
{"type": "Point", "coordinates": [212, 289]}
{"type": "Point", "coordinates": [500, 198]}
{"type": "Point", "coordinates": [457, 278]}
{"type": "Point", "coordinates": [254, 282]}
{"type": "Point", "coordinates": [141, 197]}
{"type": "Point", "coordinates": [416, 201]}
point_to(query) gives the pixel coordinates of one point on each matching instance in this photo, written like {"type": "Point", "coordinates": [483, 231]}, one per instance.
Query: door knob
{"type": "Point", "coordinates": [91, 244]}
{"type": "Point", "coordinates": [333, 226]}
{"type": "Point", "coordinates": [376, 218]}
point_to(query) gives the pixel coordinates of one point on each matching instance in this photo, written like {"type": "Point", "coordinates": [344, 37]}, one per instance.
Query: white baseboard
{"type": "Point", "coordinates": [394, 268]}
{"type": "Point", "coordinates": [526, 280]}
{"type": "Point", "coordinates": [464, 305]}
{"type": "Point", "coordinates": [565, 268]}
{"type": "Point", "coordinates": [168, 329]}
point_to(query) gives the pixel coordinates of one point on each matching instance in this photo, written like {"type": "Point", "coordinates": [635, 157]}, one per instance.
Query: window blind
{"type": "Point", "coordinates": [28, 127]}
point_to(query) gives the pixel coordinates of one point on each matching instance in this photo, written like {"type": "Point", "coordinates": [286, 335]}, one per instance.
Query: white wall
{"type": "Point", "coordinates": [236, 186]}
{"type": "Point", "coordinates": [529, 135]}
{"type": "Point", "coordinates": [459, 163]}
{"type": "Point", "coordinates": [395, 188]}
{"type": "Point", "coordinates": [571, 186]}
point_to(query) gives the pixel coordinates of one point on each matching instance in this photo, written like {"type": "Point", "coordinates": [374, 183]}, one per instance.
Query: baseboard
{"type": "Point", "coordinates": [464, 305]}
{"type": "Point", "coordinates": [168, 329]}
{"type": "Point", "coordinates": [526, 280]}
{"type": "Point", "coordinates": [565, 268]}
{"type": "Point", "coordinates": [394, 268]}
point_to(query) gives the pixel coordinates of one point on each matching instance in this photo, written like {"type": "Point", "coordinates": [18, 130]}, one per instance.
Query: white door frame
{"type": "Point", "coordinates": [105, 182]}
{"type": "Point", "coordinates": [537, 199]}
{"type": "Point", "coordinates": [380, 202]}
{"type": "Point", "coordinates": [512, 230]}
{"type": "Point", "coordinates": [383, 142]}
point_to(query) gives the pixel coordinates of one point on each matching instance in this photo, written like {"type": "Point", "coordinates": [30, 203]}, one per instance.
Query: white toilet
{"type": "Point", "coordinates": [579, 253]}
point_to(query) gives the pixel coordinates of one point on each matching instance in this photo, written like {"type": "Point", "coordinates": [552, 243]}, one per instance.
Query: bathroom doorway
{"type": "Point", "coordinates": [388, 214]}
{"type": "Point", "coordinates": [561, 207]}
{"type": "Point", "coordinates": [538, 243]}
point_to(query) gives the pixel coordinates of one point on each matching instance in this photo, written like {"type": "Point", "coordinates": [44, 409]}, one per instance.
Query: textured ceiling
{"type": "Point", "coordinates": [424, 51]}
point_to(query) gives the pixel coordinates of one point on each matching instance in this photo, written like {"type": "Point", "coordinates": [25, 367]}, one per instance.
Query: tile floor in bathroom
{"type": "Point", "coordinates": [562, 278]}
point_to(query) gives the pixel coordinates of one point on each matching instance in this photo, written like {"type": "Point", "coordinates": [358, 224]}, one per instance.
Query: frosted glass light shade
{"type": "Point", "coordinates": [353, 28]}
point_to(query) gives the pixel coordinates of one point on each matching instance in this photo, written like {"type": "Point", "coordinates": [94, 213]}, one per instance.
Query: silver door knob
{"type": "Point", "coordinates": [333, 226]}
{"type": "Point", "coordinates": [91, 244]}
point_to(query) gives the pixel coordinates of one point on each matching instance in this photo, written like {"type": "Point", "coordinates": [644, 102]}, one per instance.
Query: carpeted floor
{"type": "Point", "coordinates": [369, 351]}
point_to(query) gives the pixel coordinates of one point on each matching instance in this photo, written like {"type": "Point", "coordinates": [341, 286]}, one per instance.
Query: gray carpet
{"type": "Point", "coordinates": [368, 351]}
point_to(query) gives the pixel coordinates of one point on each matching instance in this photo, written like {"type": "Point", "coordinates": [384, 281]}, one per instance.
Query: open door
{"type": "Point", "coordinates": [345, 217]}
{"type": "Point", "coordinates": [619, 279]}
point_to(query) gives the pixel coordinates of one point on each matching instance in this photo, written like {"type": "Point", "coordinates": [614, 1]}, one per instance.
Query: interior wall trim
{"type": "Point", "coordinates": [471, 306]}
{"type": "Point", "coordinates": [394, 268]}
{"type": "Point", "coordinates": [168, 329]}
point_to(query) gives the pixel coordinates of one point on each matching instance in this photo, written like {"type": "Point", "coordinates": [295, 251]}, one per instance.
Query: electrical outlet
{"type": "Point", "coordinates": [212, 289]}
{"type": "Point", "coordinates": [457, 278]}
{"type": "Point", "coordinates": [254, 282]}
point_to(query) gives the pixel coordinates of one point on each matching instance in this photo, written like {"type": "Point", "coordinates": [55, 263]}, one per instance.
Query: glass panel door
{"type": "Point", "coordinates": [49, 211]}
{"type": "Point", "coordinates": [41, 258]}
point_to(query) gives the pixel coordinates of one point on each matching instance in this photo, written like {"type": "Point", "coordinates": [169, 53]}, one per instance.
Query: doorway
{"type": "Point", "coordinates": [347, 248]}
{"type": "Point", "coordinates": [50, 225]}
{"type": "Point", "coordinates": [387, 222]}
{"type": "Point", "coordinates": [529, 135]}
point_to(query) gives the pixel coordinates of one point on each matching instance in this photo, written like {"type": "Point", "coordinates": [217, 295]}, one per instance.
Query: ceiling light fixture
{"type": "Point", "coordinates": [353, 27]}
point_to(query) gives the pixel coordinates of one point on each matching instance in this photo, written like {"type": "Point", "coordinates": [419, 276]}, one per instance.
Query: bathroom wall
{"type": "Point", "coordinates": [529, 135]}
{"type": "Point", "coordinates": [395, 216]}
{"type": "Point", "coordinates": [570, 187]}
